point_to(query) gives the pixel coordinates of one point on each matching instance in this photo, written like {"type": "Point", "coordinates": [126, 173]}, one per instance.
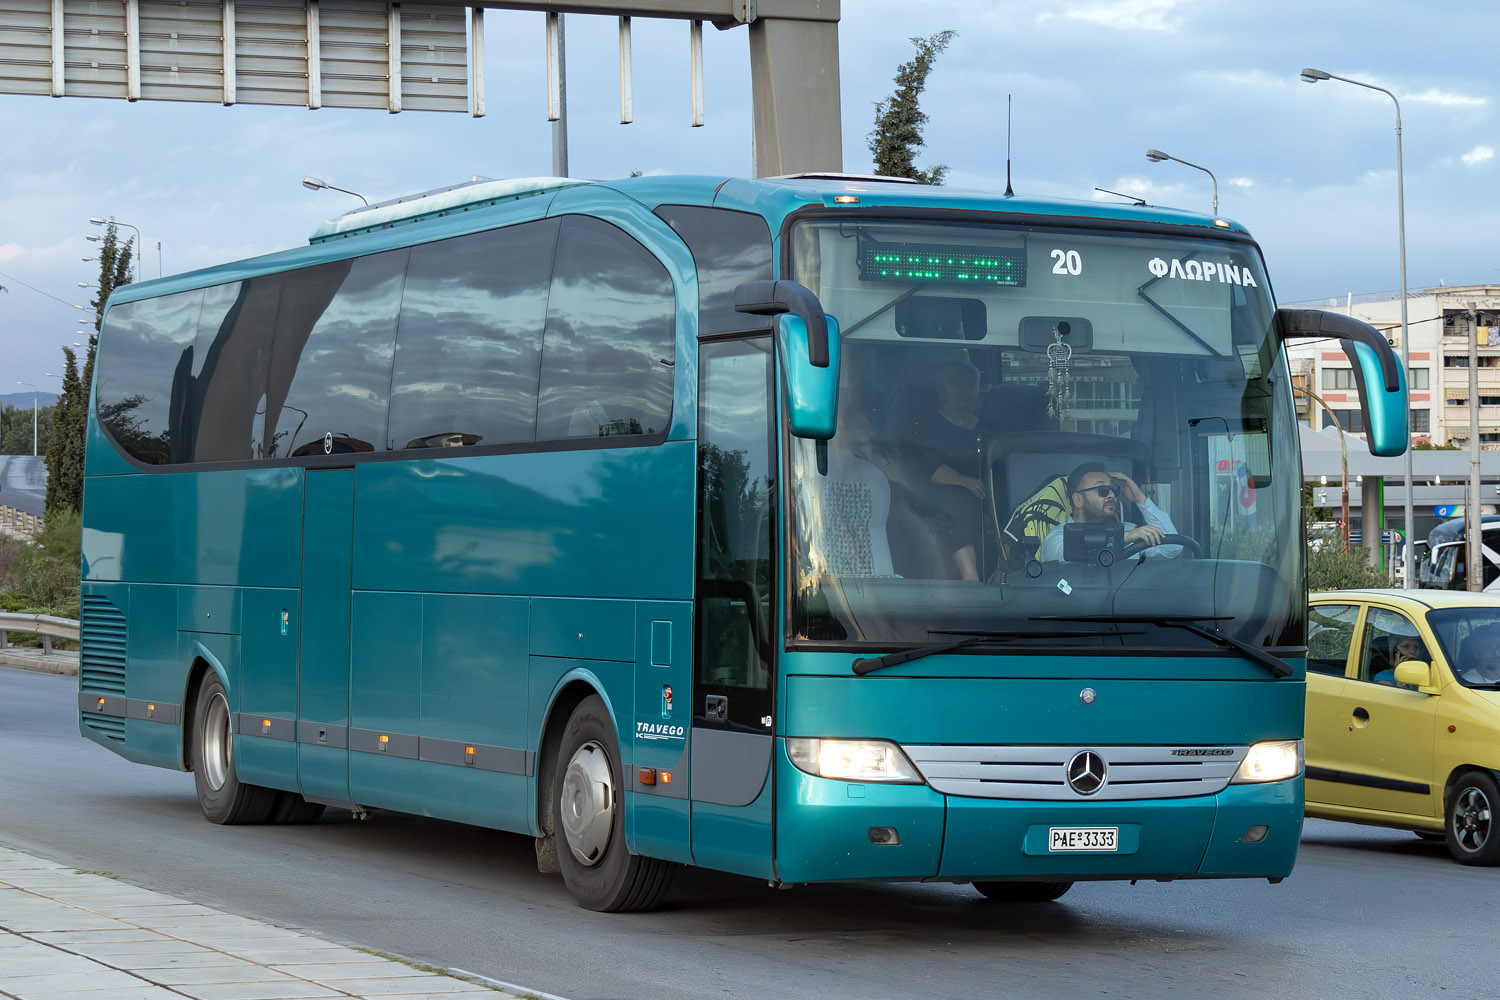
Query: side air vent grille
{"type": "Point", "coordinates": [101, 660]}
{"type": "Point", "coordinates": [109, 726]}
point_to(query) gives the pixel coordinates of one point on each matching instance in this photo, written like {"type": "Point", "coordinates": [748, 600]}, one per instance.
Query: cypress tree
{"type": "Point", "coordinates": [899, 118]}
{"type": "Point", "coordinates": [70, 419]}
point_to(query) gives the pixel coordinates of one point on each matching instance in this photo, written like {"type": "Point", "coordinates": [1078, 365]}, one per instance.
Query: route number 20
{"type": "Point", "coordinates": [1066, 262]}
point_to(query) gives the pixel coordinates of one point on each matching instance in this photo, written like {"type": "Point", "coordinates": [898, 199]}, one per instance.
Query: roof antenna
{"type": "Point", "coordinates": [1009, 192]}
{"type": "Point", "coordinates": [1133, 199]}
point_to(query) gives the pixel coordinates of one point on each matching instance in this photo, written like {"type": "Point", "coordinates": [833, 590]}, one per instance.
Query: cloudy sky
{"type": "Point", "coordinates": [1310, 169]}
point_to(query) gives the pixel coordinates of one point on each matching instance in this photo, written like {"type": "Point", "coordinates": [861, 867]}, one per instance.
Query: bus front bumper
{"type": "Point", "coordinates": [831, 830]}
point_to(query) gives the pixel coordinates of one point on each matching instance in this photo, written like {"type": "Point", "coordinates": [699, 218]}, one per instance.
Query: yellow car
{"type": "Point", "coordinates": [1403, 714]}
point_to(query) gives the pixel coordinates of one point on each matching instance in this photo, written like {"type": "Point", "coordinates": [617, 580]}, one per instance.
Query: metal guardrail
{"type": "Point", "coordinates": [49, 627]}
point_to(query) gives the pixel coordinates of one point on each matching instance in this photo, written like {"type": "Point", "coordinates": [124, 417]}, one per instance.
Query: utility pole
{"type": "Point", "coordinates": [1473, 522]}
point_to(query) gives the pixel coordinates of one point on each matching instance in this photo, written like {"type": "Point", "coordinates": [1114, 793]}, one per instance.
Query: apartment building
{"type": "Point", "coordinates": [1441, 324]}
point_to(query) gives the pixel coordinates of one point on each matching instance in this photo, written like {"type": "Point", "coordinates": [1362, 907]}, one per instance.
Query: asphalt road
{"type": "Point", "coordinates": [23, 482]}
{"type": "Point", "coordinates": [1367, 914]}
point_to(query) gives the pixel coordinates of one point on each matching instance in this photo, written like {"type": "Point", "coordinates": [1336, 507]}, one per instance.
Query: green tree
{"type": "Point", "coordinates": [15, 429]}
{"type": "Point", "coordinates": [70, 423]}
{"type": "Point", "coordinates": [899, 118]}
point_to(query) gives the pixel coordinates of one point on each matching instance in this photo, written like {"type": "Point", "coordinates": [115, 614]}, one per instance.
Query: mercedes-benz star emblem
{"type": "Point", "coordinates": [1087, 696]}
{"type": "Point", "coordinates": [1086, 772]}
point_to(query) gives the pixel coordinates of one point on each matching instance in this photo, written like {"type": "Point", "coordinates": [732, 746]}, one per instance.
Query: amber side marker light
{"type": "Point", "coordinates": [666, 777]}
{"type": "Point", "coordinates": [845, 199]}
{"type": "Point", "coordinates": [646, 775]}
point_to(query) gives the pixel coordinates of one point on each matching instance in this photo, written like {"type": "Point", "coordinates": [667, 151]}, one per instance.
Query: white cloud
{"type": "Point", "coordinates": [1125, 15]}
{"type": "Point", "coordinates": [1476, 155]}
{"type": "Point", "coordinates": [9, 251]}
{"type": "Point", "coordinates": [1447, 99]}
{"type": "Point", "coordinates": [1244, 183]}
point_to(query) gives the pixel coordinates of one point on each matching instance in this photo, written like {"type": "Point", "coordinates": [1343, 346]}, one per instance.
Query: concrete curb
{"type": "Point", "coordinates": [64, 932]}
{"type": "Point", "coordinates": [58, 662]}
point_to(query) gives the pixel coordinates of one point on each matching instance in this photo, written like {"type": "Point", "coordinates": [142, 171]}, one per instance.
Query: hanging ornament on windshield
{"type": "Point", "coordinates": [1059, 377]}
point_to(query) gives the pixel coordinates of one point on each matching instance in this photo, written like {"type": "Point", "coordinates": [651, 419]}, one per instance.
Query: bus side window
{"type": "Point", "coordinates": [609, 347]}
{"type": "Point", "coordinates": [469, 346]}
{"type": "Point", "coordinates": [728, 248]}
{"type": "Point", "coordinates": [145, 366]}
{"type": "Point", "coordinates": [330, 373]}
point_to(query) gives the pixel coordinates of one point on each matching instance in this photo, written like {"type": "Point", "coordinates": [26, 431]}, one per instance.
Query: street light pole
{"type": "Point", "coordinates": [1156, 156]}
{"type": "Point", "coordinates": [1409, 561]}
{"type": "Point", "coordinates": [139, 243]}
{"type": "Point", "coordinates": [34, 393]}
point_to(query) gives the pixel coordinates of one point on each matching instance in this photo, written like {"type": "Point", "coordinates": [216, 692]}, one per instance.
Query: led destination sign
{"type": "Point", "coordinates": [941, 264]}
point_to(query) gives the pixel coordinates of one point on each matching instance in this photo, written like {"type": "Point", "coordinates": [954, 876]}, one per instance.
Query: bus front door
{"type": "Point", "coordinates": [323, 670]}
{"type": "Point", "coordinates": [730, 749]}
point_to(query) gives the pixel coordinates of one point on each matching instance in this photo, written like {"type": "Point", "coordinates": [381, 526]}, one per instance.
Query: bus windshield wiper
{"type": "Point", "coordinates": [968, 638]}
{"type": "Point", "coordinates": [1188, 623]}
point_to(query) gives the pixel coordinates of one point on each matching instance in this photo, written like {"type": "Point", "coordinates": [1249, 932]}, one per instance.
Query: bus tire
{"type": "Point", "coordinates": [1022, 892]}
{"type": "Point", "coordinates": [294, 810]}
{"type": "Point", "coordinates": [588, 818]}
{"type": "Point", "coordinates": [1473, 827]}
{"type": "Point", "coordinates": [221, 795]}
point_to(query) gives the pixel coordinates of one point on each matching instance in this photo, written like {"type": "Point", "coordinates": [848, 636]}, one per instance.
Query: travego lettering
{"type": "Point", "coordinates": [659, 731]}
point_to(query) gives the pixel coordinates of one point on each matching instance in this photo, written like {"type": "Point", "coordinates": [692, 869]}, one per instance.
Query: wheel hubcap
{"type": "Point", "coordinates": [218, 744]}
{"type": "Point", "coordinates": [1471, 819]}
{"type": "Point", "coordinates": [588, 803]}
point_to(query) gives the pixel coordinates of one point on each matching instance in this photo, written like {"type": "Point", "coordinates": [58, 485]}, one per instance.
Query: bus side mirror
{"type": "Point", "coordinates": [812, 392]}
{"type": "Point", "coordinates": [807, 341]}
{"type": "Point", "coordinates": [1377, 373]}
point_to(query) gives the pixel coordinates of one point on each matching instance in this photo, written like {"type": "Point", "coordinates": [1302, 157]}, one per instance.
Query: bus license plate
{"type": "Point", "coordinates": [1083, 838]}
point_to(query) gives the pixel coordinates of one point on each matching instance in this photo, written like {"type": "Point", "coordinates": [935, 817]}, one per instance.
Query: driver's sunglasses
{"type": "Point", "coordinates": [1102, 491]}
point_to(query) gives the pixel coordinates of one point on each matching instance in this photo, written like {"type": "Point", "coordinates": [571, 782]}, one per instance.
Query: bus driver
{"type": "Point", "coordinates": [1094, 493]}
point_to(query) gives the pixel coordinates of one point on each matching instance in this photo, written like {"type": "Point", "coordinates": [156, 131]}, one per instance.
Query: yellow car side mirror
{"type": "Point", "coordinates": [1417, 674]}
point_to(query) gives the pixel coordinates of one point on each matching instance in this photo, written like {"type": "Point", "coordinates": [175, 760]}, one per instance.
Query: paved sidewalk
{"type": "Point", "coordinates": [71, 935]}
{"type": "Point", "coordinates": [32, 658]}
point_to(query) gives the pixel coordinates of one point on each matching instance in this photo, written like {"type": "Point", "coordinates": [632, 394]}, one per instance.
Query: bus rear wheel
{"type": "Point", "coordinates": [1023, 892]}
{"type": "Point", "coordinates": [221, 795]}
{"type": "Point", "coordinates": [588, 818]}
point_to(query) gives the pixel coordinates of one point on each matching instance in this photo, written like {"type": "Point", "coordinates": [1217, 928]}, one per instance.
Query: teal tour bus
{"type": "Point", "coordinates": [817, 528]}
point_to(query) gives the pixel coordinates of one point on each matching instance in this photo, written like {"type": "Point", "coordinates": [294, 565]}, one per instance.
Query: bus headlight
{"type": "Point", "coordinates": [853, 760]}
{"type": "Point", "coordinates": [1273, 760]}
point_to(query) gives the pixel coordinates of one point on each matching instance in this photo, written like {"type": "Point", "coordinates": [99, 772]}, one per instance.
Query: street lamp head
{"type": "Point", "coordinates": [1310, 75]}
{"type": "Point", "coordinates": [96, 221]}
{"type": "Point", "coordinates": [92, 238]}
{"type": "Point", "coordinates": [313, 184]}
{"type": "Point", "coordinates": [1156, 155]}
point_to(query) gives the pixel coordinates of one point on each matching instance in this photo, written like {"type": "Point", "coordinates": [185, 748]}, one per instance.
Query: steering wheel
{"type": "Point", "coordinates": [1189, 546]}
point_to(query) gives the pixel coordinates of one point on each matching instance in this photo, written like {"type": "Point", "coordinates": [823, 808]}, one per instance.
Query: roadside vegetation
{"type": "Point", "coordinates": [40, 576]}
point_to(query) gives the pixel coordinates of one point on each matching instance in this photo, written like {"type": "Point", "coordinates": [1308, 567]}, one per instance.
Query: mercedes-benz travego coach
{"type": "Point", "coordinates": [810, 528]}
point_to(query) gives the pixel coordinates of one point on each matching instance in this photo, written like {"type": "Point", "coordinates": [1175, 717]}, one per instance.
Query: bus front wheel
{"type": "Point", "coordinates": [588, 818]}
{"type": "Point", "coordinates": [221, 795]}
{"type": "Point", "coordinates": [1023, 892]}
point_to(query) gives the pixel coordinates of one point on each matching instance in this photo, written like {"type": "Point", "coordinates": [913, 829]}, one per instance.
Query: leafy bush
{"type": "Point", "coordinates": [1328, 568]}
{"type": "Point", "coordinates": [48, 571]}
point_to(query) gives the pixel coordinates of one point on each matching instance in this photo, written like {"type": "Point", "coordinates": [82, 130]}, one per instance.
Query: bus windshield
{"type": "Point", "coordinates": [1040, 423]}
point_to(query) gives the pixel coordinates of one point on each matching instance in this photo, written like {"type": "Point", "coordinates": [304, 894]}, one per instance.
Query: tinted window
{"type": "Point", "coordinates": [468, 352]}
{"type": "Point", "coordinates": [143, 348]}
{"type": "Point", "coordinates": [1330, 633]}
{"type": "Point", "coordinates": [224, 411]}
{"type": "Point", "coordinates": [736, 482]}
{"type": "Point", "coordinates": [728, 248]}
{"type": "Point", "coordinates": [330, 372]}
{"type": "Point", "coordinates": [608, 349]}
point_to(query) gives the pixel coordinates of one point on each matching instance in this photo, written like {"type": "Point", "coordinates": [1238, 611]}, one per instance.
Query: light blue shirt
{"type": "Point", "coordinates": [1052, 546]}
